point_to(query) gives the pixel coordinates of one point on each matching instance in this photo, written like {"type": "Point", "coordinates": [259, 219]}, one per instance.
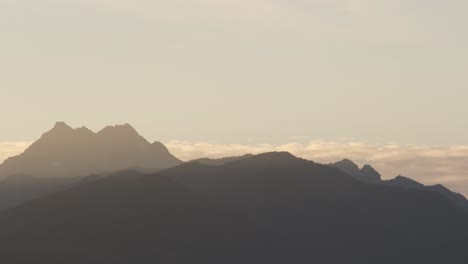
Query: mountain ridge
{"type": "Point", "coordinates": [269, 208]}
{"type": "Point", "coordinates": [369, 175]}
{"type": "Point", "coordinates": [67, 152]}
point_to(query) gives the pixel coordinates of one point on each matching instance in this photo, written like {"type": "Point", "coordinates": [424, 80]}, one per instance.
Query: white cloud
{"type": "Point", "coordinates": [8, 149]}
{"type": "Point", "coordinates": [447, 165]}
{"type": "Point", "coordinates": [430, 165]}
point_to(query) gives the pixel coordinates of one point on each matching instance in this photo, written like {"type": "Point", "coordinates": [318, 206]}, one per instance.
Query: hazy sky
{"type": "Point", "coordinates": [381, 82]}
{"type": "Point", "coordinates": [238, 71]}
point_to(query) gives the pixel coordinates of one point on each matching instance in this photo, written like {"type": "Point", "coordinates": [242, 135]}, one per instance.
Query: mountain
{"type": "Point", "coordinates": [18, 189]}
{"type": "Point", "coordinates": [405, 182]}
{"type": "Point", "coordinates": [269, 208]}
{"type": "Point", "coordinates": [370, 175]}
{"type": "Point", "coordinates": [62, 156]}
{"type": "Point", "coordinates": [67, 152]}
{"type": "Point", "coordinates": [366, 174]}
{"type": "Point", "coordinates": [221, 161]}
{"type": "Point", "coordinates": [127, 217]}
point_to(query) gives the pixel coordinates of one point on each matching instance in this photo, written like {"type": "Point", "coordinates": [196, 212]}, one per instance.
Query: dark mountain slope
{"type": "Point", "coordinates": [309, 212]}
{"type": "Point", "coordinates": [271, 208]}
{"type": "Point", "coordinates": [18, 189]}
{"type": "Point", "coordinates": [128, 217]}
{"type": "Point", "coordinates": [404, 182]}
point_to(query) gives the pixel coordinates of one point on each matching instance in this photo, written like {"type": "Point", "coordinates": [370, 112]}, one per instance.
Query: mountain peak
{"type": "Point", "coordinates": [64, 151]}
{"type": "Point", "coordinates": [366, 174]}
{"type": "Point", "coordinates": [348, 163]}
{"type": "Point", "coordinates": [61, 127]}
{"type": "Point", "coordinates": [126, 128]}
{"type": "Point", "coordinates": [371, 174]}
{"type": "Point", "coordinates": [347, 166]}
{"type": "Point", "coordinates": [121, 132]}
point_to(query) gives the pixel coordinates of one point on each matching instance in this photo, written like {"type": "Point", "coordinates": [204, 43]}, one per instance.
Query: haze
{"type": "Point", "coordinates": [244, 73]}
{"type": "Point", "coordinates": [234, 71]}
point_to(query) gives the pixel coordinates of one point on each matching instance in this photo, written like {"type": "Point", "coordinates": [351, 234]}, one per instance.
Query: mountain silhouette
{"type": "Point", "coordinates": [404, 182]}
{"type": "Point", "coordinates": [370, 175]}
{"type": "Point", "coordinates": [221, 161]}
{"type": "Point", "coordinates": [63, 156]}
{"type": "Point", "coordinates": [366, 174]}
{"type": "Point", "coordinates": [67, 152]}
{"type": "Point", "coordinates": [269, 208]}
{"type": "Point", "coordinates": [17, 189]}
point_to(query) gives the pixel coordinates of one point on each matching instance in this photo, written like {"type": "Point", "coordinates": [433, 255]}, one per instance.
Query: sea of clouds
{"type": "Point", "coordinates": [447, 165]}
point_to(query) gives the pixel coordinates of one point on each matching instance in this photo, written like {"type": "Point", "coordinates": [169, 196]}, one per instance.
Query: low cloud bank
{"type": "Point", "coordinates": [447, 165]}
{"type": "Point", "coordinates": [8, 149]}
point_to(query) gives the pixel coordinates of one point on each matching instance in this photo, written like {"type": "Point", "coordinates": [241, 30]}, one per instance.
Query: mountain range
{"type": "Point", "coordinates": [76, 196]}
{"type": "Point", "coordinates": [370, 175]}
{"type": "Point", "coordinates": [63, 156]}
{"type": "Point", "coordinates": [268, 208]}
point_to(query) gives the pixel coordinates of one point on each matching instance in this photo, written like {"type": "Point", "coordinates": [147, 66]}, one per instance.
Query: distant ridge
{"type": "Point", "coordinates": [370, 175]}
{"type": "Point", "coordinates": [221, 161]}
{"type": "Point", "coordinates": [67, 152]}
{"type": "Point", "coordinates": [366, 174]}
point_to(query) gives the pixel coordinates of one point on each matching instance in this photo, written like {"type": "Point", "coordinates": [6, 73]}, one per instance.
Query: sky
{"type": "Point", "coordinates": [249, 73]}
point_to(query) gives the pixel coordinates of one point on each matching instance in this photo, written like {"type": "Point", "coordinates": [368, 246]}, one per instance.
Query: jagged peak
{"type": "Point", "coordinates": [84, 129]}
{"type": "Point", "coordinates": [159, 145]}
{"type": "Point", "coordinates": [125, 127]}
{"type": "Point", "coordinates": [125, 131]}
{"type": "Point", "coordinates": [368, 168]}
{"type": "Point", "coordinates": [61, 125]}
{"type": "Point", "coordinates": [59, 130]}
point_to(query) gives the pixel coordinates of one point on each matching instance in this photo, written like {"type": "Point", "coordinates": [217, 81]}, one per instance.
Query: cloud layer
{"type": "Point", "coordinates": [8, 149]}
{"type": "Point", "coordinates": [430, 165]}
{"type": "Point", "coordinates": [447, 165]}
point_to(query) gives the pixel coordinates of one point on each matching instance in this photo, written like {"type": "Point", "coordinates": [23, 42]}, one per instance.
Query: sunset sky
{"type": "Point", "coordinates": [381, 82]}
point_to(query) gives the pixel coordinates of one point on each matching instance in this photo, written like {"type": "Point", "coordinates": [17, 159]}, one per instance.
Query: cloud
{"type": "Point", "coordinates": [447, 165]}
{"type": "Point", "coordinates": [8, 149]}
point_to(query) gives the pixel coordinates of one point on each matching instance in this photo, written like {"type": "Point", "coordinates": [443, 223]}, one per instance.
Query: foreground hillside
{"type": "Point", "coordinates": [270, 208]}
